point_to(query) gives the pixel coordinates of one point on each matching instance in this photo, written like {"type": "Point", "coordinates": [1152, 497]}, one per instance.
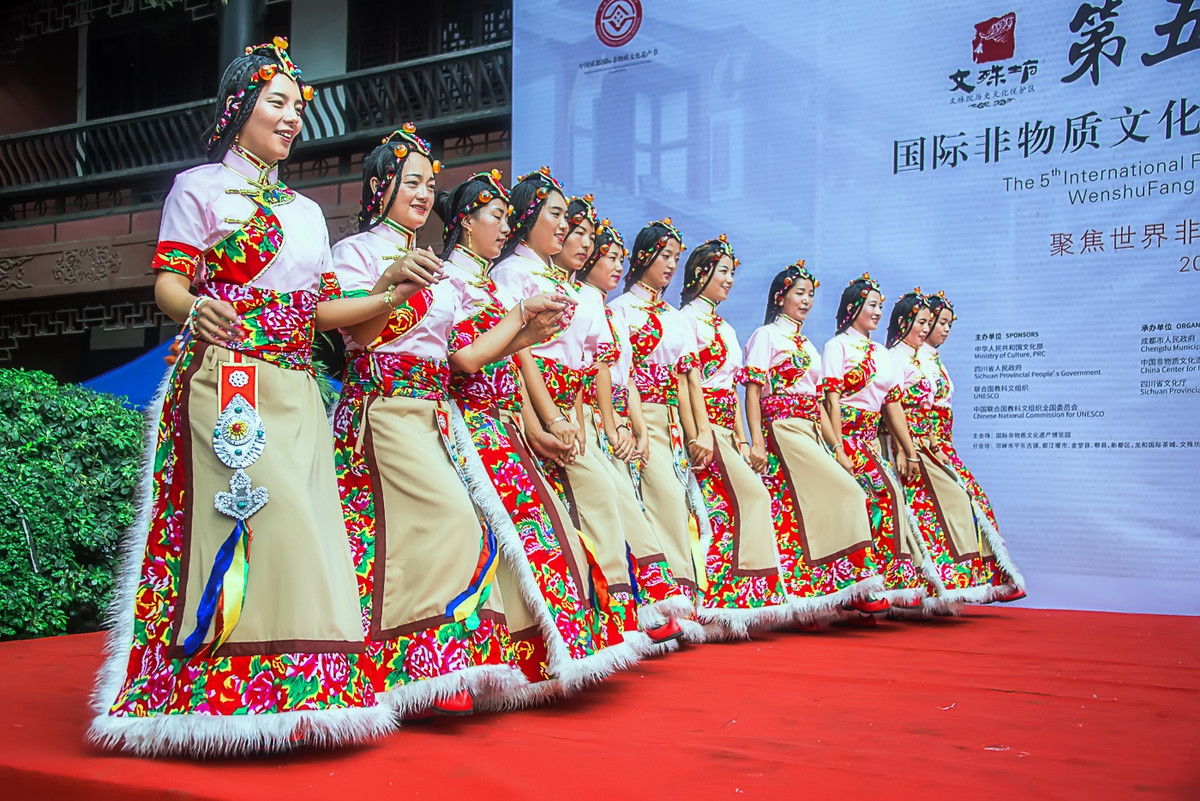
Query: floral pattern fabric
{"type": "Point", "coordinates": [396, 374]}
{"type": "Point", "coordinates": [725, 588]}
{"type": "Point", "coordinates": [860, 430]}
{"type": "Point", "coordinates": [437, 650]}
{"type": "Point", "coordinates": [281, 325]}
{"type": "Point", "coordinates": [577, 621]}
{"type": "Point", "coordinates": [158, 683]}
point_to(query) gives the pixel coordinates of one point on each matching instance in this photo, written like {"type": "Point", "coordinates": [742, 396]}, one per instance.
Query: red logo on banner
{"type": "Point", "coordinates": [617, 21]}
{"type": "Point", "coordinates": [994, 39]}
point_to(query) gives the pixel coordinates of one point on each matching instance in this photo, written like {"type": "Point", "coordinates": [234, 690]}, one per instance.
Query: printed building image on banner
{"type": "Point", "coordinates": [1036, 161]}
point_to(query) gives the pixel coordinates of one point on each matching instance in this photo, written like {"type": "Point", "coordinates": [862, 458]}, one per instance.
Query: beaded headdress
{"type": "Point", "coordinates": [644, 257]}
{"type": "Point", "coordinates": [899, 326]}
{"type": "Point", "coordinates": [794, 272]}
{"type": "Point", "coordinates": [403, 140]}
{"type": "Point", "coordinates": [937, 302]}
{"type": "Point", "coordinates": [276, 49]}
{"type": "Point", "coordinates": [606, 231]}
{"type": "Point", "coordinates": [495, 190]}
{"type": "Point", "coordinates": [588, 212]}
{"type": "Point", "coordinates": [607, 238]}
{"type": "Point", "coordinates": [856, 302]}
{"type": "Point", "coordinates": [698, 274]}
{"type": "Point", "coordinates": [548, 183]}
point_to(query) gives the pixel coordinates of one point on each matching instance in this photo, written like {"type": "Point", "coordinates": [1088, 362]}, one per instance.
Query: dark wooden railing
{"type": "Point", "coordinates": [445, 91]}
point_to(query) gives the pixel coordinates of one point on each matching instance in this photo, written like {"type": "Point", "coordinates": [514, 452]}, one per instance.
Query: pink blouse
{"type": "Point", "coordinates": [861, 370]}
{"type": "Point", "coordinates": [938, 376]}
{"type": "Point", "coordinates": [524, 274]}
{"type": "Point", "coordinates": [718, 354]}
{"type": "Point", "coordinates": [915, 387]}
{"type": "Point", "coordinates": [665, 335]}
{"type": "Point", "coordinates": [208, 203]}
{"type": "Point", "coordinates": [662, 341]}
{"type": "Point", "coordinates": [782, 360]}
{"type": "Point", "coordinates": [421, 326]}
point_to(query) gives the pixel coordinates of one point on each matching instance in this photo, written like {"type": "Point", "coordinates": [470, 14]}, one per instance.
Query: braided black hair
{"type": "Point", "coordinates": [239, 86]}
{"type": "Point", "coordinates": [904, 315]}
{"type": "Point", "coordinates": [450, 206]}
{"type": "Point", "coordinates": [781, 283]}
{"type": "Point", "coordinates": [646, 247]}
{"type": "Point", "coordinates": [854, 297]}
{"type": "Point", "coordinates": [527, 199]}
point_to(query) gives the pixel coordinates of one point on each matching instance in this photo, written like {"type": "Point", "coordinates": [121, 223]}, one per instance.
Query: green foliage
{"type": "Point", "coordinates": [69, 464]}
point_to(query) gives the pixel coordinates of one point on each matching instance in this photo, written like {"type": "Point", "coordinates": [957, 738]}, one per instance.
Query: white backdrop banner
{"type": "Point", "coordinates": [1035, 160]}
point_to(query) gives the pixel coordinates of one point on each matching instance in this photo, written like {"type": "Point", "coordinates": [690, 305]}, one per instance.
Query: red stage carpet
{"type": "Point", "coordinates": [1003, 703]}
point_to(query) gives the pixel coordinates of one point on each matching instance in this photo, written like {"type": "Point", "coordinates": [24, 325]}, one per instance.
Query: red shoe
{"type": "Point", "coordinates": [455, 706]}
{"type": "Point", "coordinates": [907, 603]}
{"type": "Point", "coordinates": [863, 622]}
{"type": "Point", "coordinates": [1016, 595]}
{"type": "Point", "coordinates": [807, 627]}
{"type": "Point", "coordinates": [667, 632]}
{"type": "Point", "coordinates": [870, 606]}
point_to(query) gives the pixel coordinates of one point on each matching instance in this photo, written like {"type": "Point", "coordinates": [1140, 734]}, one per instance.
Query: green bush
{"type": "Point", "coordinates": [69, 464]}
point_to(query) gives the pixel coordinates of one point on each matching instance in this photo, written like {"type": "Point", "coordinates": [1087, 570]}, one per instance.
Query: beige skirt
{"type": "Point", "coordinates": [521, 620]}
{"type": "Point", "coordinates": [754, 549]}
{"type": "Point", "coordinates": [829, 503]}
{"type": "Point", "coordinates": [427, 532]}
{"type": "Point", "coordinates": [642, 540]}
{"type": "Point", "coordinates": [953, 507]}
{"type": "Point", "coordinates": [665, 495]}
{"type": "Point", "coordinates": [597, 511]}
{"type": "Point", "coordinates": [301, 592]}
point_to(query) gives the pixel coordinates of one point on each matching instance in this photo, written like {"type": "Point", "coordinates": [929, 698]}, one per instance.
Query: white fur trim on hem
{"type": "Point", "coordinates": [812, 609]}
{"type": "Point", "coordinates": [658, 613]}
{"type": "Point", "coordinates": [197, 735]}
{"type": "Point", "coordinates": [735, 624]}
{"type": "Point", "coordinates": [999, 549]}
{"type": "Point", "coordinates": [417, 697]}
{"type": "Point", "coordinates": [119, 642]}
{"type": "Point", "coordinates": [570, 673]}
{"type": "Point", "coordinates": [693, 632]}
{"type": "Point", "coordinates": [1003, 559]}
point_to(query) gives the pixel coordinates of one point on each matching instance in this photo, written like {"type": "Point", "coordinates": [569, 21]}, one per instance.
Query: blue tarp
{"type": "Point", "coordinates": [138, 380]}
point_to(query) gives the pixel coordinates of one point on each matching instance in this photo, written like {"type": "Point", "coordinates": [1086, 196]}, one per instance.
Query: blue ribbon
{"type": "Point", "coordinates": [212, 589]}
{"type": "Point", "coordinates": [475, 584]}
{"type": "Point", "coordinates": [633, 573]}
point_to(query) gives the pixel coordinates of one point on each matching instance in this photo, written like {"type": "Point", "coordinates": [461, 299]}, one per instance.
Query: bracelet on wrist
{"type": "Point", "coordinates": [190, 323]}
{"type": "Point", "coordinates": [562, 418]}
{"type": "Point", "coordinates": [388, 300]}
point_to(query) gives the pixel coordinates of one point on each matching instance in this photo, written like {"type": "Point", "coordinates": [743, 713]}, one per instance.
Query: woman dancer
{"type": "Point", "coordinates": [436, 632]}
{"type": "Point", "coordinates": [550, 238]}
{"type": "Point", "coordinates": [945, 519]}
{"type": "Point", "coordinates": [861, 384]}
{"type": "Point", "coordinates": [743, 586]}
{"type": "Point", "coordinates": [217, 647]}
{"type": "Point", "coordinates": [824, 538]}
{"type": "Point", "coordinates": [611, 419]}
{"type": "Point", "coordinates": [662, 344]}
{"type": "Point", "coordinates": [1005, 577]}
{"type": "Point", "coordinates": [554, 600]}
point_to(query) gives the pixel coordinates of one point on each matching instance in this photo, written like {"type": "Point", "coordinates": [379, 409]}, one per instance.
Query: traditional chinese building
{"type": "Point", "coordinates": [106, 100]}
